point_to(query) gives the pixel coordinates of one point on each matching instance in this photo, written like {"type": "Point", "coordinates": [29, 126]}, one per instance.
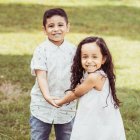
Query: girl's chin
{"type": "Point", "coordinates": [91, 70]}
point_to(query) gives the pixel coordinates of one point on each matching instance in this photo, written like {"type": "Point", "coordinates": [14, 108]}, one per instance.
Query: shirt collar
{"type": "Point", "coordinates": [62, 46]}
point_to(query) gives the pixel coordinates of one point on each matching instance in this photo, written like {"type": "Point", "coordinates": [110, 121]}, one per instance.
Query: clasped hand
{"type": "Point", "coordinates": [55, 101]}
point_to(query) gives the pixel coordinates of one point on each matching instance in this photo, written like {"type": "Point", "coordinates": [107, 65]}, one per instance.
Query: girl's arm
{"type": "Point", "coordinates": [79, 91]}
{"type": "Point", "coordinates": [43, 84]}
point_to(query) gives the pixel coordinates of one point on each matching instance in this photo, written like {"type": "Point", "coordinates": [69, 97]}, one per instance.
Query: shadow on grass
{"type": "Point", "coordinates": [104, 20]}
{"type": "Point", "coordinates": [16, 70]}
{"type": "Point", "coordinates": [15, 114]}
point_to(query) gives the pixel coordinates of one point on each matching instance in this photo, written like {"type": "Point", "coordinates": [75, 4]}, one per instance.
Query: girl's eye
{"type": "Point", "coordinates": [94, 56]}
{"type": "Point", "coordinates": [60, 25]}
{"type": "Point", "coordinates": [84, 57]}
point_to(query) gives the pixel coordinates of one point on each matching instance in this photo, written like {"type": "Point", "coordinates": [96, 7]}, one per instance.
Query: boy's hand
{"type": "Point", "coordinates": [58, 102]}
{"type": "Point", "coordinates": [51, 100]}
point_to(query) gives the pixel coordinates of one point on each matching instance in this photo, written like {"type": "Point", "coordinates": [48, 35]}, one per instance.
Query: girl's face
{"type": "Point", "coordinates": [56, 28]}
{"type": "Point", "coordinates": [91, 57]}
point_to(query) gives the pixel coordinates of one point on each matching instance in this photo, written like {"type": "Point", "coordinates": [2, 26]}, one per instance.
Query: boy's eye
{"type": "Point", "coordinates": [50, 26]}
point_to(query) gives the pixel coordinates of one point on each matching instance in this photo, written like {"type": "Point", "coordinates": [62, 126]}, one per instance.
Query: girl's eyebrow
{"type": "Point", "coordinates": [84, 54]}
{"type": "Point", "coordinates": [87, 54]}
{"type": "Point", "coordinates": [60, 23]}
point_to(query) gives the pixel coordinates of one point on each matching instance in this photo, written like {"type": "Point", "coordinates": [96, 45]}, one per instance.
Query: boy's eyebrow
{"type": "Point", "coordinates": [58, 23]}
{"type": "Point", "coordinates": [50, 23]}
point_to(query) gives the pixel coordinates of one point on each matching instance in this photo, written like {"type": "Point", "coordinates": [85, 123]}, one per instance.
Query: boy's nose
{"type": "Point", "coordinates": [56, 28]}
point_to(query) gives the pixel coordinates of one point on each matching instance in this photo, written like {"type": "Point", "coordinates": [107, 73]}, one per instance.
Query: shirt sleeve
{"type": "Point", "coordinates": [39, 61]}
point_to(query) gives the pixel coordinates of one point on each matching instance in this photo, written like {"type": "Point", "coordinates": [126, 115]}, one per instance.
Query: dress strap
{"type": "Point", "coordinates": [101, 72]}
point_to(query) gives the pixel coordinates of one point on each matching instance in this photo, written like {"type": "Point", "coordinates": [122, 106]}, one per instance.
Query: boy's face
{"type": "Point", "coordinates": [56, 28]}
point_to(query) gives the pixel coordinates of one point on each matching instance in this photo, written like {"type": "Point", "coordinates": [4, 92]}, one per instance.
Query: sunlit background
{"type": "Point", "coordinates": [117, 21]}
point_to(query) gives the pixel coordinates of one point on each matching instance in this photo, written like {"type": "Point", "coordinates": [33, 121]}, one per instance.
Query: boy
{"type": "Point", "coordinates": [51, 64]}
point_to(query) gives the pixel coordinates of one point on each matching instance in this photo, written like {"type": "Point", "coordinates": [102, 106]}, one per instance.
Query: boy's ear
{"type": "Point", "coordinates": [68, 27]}
{"type": "Point", "coordinates": [44, 30]}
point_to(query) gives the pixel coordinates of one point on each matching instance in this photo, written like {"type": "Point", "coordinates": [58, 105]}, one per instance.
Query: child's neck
{"type": "Point", "coordinates": [57, 43]}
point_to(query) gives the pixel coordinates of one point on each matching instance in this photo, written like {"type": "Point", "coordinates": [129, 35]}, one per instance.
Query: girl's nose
{"type": "Point", "coordinates": [89, 61]}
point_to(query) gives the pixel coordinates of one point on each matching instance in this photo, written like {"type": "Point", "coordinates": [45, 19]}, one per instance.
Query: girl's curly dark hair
{"type": "Point", "coordinates": [108, 67]}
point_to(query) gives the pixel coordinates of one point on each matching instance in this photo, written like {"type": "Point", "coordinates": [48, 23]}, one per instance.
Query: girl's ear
{"type": "Point", "coordinates": [68, 27]}
{"type": "Point", "coordinates": [104, 59]}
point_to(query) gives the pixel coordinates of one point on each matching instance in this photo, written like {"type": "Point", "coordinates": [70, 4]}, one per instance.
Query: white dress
{"type": "Point", "coordinates": [96, 117]}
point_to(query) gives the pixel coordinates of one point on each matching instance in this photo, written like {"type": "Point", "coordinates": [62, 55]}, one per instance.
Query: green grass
{"type": "Point", "coordinates": [74, 3]}
{"type": "Point", "coordinates": [21, 31]}
{"type": "Point", "coordinates": [114, 20]}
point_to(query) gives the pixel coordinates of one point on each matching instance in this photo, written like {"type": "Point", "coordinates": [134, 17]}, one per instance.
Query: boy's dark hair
{"type": "Point", "coordinates": [53, 12]}
{"type": "Point", "coordinates": [108, 67]}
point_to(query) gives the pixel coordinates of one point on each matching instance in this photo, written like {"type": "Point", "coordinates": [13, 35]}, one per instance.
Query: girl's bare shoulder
{"type": "Point", "coordinates": [93, 77]}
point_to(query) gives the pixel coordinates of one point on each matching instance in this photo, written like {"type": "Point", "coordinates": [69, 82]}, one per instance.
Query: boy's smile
{"type": "Point", "coordinates": [56, 28]}
{"type": "Point", "coordinates": [91, 57]}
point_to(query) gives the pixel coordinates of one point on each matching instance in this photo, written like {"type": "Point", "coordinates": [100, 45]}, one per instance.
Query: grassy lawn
{"type": "Point", "coordinates": [118, 22]}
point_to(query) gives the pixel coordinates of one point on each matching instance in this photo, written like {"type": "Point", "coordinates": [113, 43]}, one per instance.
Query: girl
{"type": "Point", "coordinates": [98, 116]}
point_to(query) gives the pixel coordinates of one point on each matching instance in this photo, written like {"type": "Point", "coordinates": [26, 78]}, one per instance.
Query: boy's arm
{"type": "Point", "coordinates": [43, 84]}
{"type": "Point", "coordinates": [79, 91]}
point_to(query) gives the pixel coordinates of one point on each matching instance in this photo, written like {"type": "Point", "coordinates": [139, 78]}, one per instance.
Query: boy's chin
{"type": "Point", "coordinates": [57, 41]}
